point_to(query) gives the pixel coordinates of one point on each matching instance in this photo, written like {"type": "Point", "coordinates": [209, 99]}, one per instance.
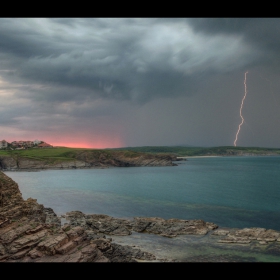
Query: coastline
{"type": "Point", "coordinates": [198, 157]}
{"type": "Point", "coordinates": [237, 155]}
{"type": "Point", "coordinates": [173, 163]}
{"type": "Point", "coordinates": [141, 239]}
{"type": "Point", "coordinates": [53, 168]}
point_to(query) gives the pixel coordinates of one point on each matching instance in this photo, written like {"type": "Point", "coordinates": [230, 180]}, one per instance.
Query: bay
{"type": "Point", "coordinates": [229, 191]}
{"type": "Point", "coordinates": [233, 192]}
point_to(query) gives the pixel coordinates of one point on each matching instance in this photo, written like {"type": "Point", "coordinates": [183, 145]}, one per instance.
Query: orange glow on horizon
{"type": "Point", "coordinates": [94, 145]}
{"type": "Point", "coordinates": [85, 141]}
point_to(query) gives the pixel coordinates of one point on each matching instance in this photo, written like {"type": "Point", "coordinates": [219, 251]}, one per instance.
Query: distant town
{"type": "Point", "coordinates": [21, 145]}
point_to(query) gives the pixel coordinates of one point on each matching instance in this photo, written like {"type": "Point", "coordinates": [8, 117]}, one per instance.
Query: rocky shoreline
{"type": "Point", "coordinates": [86, 160]}
{"type": "Point", "coordinates": [29, 232]}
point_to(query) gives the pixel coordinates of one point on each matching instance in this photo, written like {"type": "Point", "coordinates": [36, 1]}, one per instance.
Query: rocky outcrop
{"type": "Point", "coordinates": [98, 223]}
{"type": "Point", "coordinates": [124, 159]}
{"type": "Point", "coordinates": [247, 235]}
{"type": "Point", "coordinates": [87, 159]}
{"type": "Point", "coordinates": [115, 226]}
{"type": "Point", "coordinates": [29, 232]}
{"type": "Point", "coordinates": [172, 227]}
{"type": "Point", "coordinates": [25, 163]}
{"type": "Point", "coordinates": [8, 163]}
{"type": "Point", "coordinates": [22, 163]}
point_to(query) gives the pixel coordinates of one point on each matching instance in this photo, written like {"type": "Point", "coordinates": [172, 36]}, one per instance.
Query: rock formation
{"type": "Point", "coordinates": [29, 232]}
{"type": "Point", "coordinates": [116, 226]}
{"type": "Point", "coordinates": [247, 235]}
{"type": "Point", "coordinates": [86, 159]}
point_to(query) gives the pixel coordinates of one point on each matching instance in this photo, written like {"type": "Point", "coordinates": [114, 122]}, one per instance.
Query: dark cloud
{"type": "Point", "coordinates": [133, 59]}
{"type": "Point", "coordinates": [260, 33]}
{"type": "Point", "coordinates": [77, 71]}
{"type": "Point", "coordinates": [220, 25]}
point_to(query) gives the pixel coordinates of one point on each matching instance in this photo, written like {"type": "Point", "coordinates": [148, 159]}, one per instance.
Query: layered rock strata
{"type": "Point", "coordinates": [86, 160]}
{"type": "Point", "coordinates": [247, 235]}
{"type": "Point", "coordinates": [104, 224]}
{"type": "Point", "coordinates": [116, 226]}
{"type": "Point", "coordinates": [29, 232]}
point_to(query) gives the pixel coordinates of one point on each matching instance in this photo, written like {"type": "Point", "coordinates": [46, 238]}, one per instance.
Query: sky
{"type": "Point", "coordinates": [127, 82]}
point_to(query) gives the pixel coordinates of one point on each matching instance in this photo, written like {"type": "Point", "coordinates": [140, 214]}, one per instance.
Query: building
{"type": "Point", "coordinates": [44, 145]}
{"type": "Point", "coordinates": [17, 144]}
{"type": "Point", "coordinates": [28, 144]}
{"type": "Point", "coordinates": [3, 144]}
{"type": "Point", "coordinates": [36, 142]}
{"type": "Point", "coordinates": [24, 144]}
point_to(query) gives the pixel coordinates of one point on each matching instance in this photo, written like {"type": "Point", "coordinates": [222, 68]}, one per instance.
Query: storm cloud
{"type": "Point", "coordinates": [140, 80]}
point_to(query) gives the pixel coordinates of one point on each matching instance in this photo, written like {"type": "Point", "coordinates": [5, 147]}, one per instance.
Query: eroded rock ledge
{"type": "Point", "coordinates": [169, 228]}
{"type": "Point", "coordinates": [29, 232]}
{"type": "Point", "coordinates": [116, 226]}
{"type": "Point", "coordinates": [247, 235]}
{"type": "Point", "coordinates": [86, 159]}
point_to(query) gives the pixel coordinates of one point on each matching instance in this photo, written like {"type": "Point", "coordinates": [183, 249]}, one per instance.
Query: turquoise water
{"type": "Point", "coordinates": [229, 191]}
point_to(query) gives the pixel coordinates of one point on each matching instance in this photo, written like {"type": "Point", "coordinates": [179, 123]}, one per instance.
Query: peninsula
{"type": "Point", "coordinates": [44, 156]}
{"type": "Point", "coordinates": [69, 158]}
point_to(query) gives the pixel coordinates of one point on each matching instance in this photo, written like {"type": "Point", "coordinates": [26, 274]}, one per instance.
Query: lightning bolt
{"type": "Point", "coordinates": [240, 111]}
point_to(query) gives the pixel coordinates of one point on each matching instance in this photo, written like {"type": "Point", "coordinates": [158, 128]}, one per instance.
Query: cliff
{"type": "Point", "coordinates": [29, 232]}
{"type": "Point", "coordinates": [83, 159]}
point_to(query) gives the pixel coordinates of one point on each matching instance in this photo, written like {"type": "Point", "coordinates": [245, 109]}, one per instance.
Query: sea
{"type": "Point", "coordinates": [231, 191]}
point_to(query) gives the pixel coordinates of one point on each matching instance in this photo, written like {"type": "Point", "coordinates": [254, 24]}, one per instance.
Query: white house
{"type": "Point", "coordinates": [3, 144]}
{"type": "Point", "coordinates": [35, 142]}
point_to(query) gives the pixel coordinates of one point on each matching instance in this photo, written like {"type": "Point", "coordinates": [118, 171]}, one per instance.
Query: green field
{"type": "Point", "coordinates": [61, 154]}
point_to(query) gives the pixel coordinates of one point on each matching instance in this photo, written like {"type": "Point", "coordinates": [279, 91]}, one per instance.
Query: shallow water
{"type": "Point", "coordinates": [229, 191]}
{"type": "Point", "coordinates": [233, 192]}
{"type": "Point", "coordinates": [188, 248]}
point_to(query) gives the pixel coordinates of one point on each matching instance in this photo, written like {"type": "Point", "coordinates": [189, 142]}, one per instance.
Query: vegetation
{"type": "Point", "coordinates": [202, 151]}
{"type": "Point", "coordinates": [66, 154]}
{"type": "Point", "coordinates": [49, 154]}
{"type": "Point", "coordinates": [60, 154]}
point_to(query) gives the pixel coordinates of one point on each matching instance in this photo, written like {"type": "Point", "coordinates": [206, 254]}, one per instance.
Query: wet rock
{"type": "Point", "coordinates": [98, 223]}
{"type": "Point", "coordinates": [116, 226]}
{"type": "Point", "coordinates": [51, 217]}
{"type": "Point", "coordinates": [171, 227]}
{"type": "Point", "coordinates": [29, 232]}
{"type": "Point", "coordinates": [124, 253]}
{"type": "Point", "coordinates": [247, 235]}
{"type": "Point", "coordinates": [220, 232]}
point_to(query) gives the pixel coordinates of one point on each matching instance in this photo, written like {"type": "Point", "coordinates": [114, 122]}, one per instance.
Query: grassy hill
{"type": "Point", "coordinates": [65, 154]}
{"type": "Point", "coordinates": [62, 154]}
{"type": "Point", "coordinates": [42, 154]}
